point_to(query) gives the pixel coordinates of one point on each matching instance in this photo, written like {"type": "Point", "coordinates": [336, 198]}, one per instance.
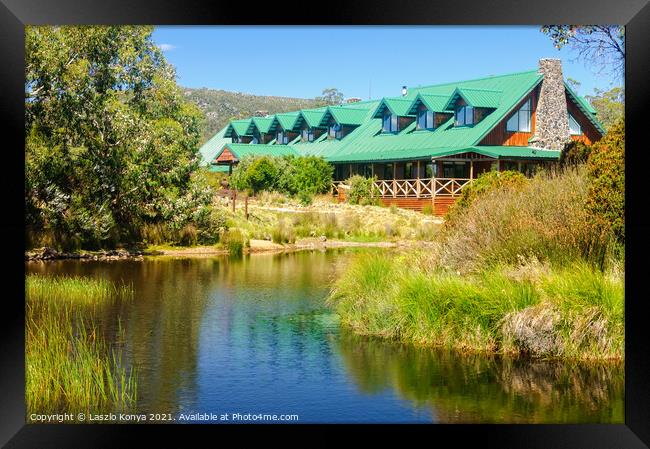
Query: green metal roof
{"type": "Point", "coordinates": [367, 143]}
{"type": "Point", "coordinates": [218, 168]}
{"type": "Point", "coordinates": [435, 103]}
{"type": "Point", "coordinates": [212, 147]}
{"type": "Point", "coordinates": [397, 106]}
{"type": "Point", "coordinates": [239, 126]}
{"type": "Point", "coordinates": [241, 150]}
{"type": "Point", "coordinates": [311, 116]}
{"type": "Point", "coordinates": [344, 115]}
{"type": "Point", "coordinates": [478, 98]}
{"type": "Point", "coordinates": [261, 123]}
{"type": "Point", "coordinates": [287, 120]}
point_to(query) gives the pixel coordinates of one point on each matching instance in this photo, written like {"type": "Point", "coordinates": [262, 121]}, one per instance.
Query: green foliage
{"type": "Point", "coordinates": [609, 105]}
{"type": "Point", "coordinates": [574, 153]}
{"type": "Point", "coordinates": [362, 191]}
{"type": "Point", "coordinates": [283, 233]}
{"type": "Point", "coordinates": [546, 219]}
{"type": "Point", "coordinates": [330, 96]}
{"type": "Point", "coordinates": [486, 182]}
{"type": "Point", "coordinates": [69, 367]}
{"type": "Point", "coordinates": [110, 143]}
{"type": "Point", "coordinates": [427, 209]}
{"type": "Point", "coordinates": [606, 172]}
{"type": "Point", "coordinates": [304, 176]}
{"type": "Point", "coordinates": [235, 241]}
{"type": "Point", "coordinates": [220, 106]}
{"type": "Point", "coordinates": [575, 311]}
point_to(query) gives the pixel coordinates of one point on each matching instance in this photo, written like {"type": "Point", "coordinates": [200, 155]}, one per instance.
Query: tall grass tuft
{"type": "Point", "coordinates": [69, 367]}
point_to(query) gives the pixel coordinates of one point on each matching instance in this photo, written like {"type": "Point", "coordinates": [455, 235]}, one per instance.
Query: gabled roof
{"type": "Point", "coordinates": [239, 126]}
{"type": "Point", "coordinates": [478, 98]}
{"type": "Point", "coordinates": [435, 103]}
{"type": "Point", "coordinates": [311, 116]}
{"type": "Point", "coordinates": [396, 106]}
{"type": "Point", "coordinates": [585, 107]}
{"type": "Point", "coordinates": [261, 123]}
{"type": "Point", "coordinates": [287, 120]}
{"type": "Point", "coordinates": [344, 115]}
{"type": "Point", "coordinates": [366, 142]}
{"type": "Point", "coordinates": [241, 150]}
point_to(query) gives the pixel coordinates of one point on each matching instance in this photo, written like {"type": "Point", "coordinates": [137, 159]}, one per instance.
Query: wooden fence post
{"type": "Point", "coordinates": [234, 198]}
{"type": "Point", "coordinates": [246, 207]}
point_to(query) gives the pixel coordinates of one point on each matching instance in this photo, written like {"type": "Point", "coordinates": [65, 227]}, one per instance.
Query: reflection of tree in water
{"type": "Point", "coordinates": [480, 388]}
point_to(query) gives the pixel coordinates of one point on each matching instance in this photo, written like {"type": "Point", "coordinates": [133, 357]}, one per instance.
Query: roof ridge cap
{"type": "Point", "coordinates": [478, 79]}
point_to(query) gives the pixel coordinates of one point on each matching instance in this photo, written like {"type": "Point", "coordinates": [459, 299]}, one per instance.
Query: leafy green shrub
{"type": "Point", "coordinates": [427, 209]}
{"type": "Point", "coordinates": [311, 175]}
{"type": "Point", "coordinates": [363, 191]}
{"type": "Point", "coordinates": [486, 182]}
{"type": "Point", "coordinates": [303, 177]}
{"type": "Point", "coordinates": [606, 172]}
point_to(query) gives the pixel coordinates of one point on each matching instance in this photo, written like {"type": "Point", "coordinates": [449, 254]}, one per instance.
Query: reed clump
{"type": "Point", "coordinates": [69, 366]}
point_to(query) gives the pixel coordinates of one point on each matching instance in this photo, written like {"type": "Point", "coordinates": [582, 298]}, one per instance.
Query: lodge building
{"type": "Point", "coordinates": [426, 145]}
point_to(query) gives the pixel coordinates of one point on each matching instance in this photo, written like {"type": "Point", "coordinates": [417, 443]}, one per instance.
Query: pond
{"type": "Point", "coordinates": [253, 335]}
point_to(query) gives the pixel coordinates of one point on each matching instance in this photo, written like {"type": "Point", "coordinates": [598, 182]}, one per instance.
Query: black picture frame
{"type": "Point", "coordinates": [635, 14]}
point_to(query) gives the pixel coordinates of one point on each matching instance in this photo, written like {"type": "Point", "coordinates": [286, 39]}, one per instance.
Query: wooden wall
{"type": "Point", "coordinates": [499, 135]}
{"type": "Point", "coordinates": [589, 132]}
{"type": "Point", "coordinates": [226, 156]}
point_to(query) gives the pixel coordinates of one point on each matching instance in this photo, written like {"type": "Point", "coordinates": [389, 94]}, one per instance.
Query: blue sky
{"type": "Point", "coordinates": [359, 61]}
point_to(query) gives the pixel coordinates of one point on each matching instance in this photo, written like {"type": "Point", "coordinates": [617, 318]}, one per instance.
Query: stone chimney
{"type": "Point", "coordinates": [552, 118]}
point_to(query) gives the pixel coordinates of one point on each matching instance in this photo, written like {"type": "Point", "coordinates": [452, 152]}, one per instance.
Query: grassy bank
{"type": "Point", "coordinates": [520, 269]}
{"type": "Point", "coordinates": [573, 312]}
{"type": "Point", "coordinates": [69, 367]}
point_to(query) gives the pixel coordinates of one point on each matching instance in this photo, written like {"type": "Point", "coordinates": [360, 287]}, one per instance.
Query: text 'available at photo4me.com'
{"type": "Point", "coordinates": [192, 417]}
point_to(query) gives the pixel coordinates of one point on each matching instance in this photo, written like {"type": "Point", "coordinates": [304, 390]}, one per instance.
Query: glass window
{"type": "Point", "coordinates": [425, 119]}
{"type": "Point", "coordinates": [520, 120]}
{"type": "Point", "coordinates": [335, 130]}
{"type": "Point", "coordinates": [255, 140]}
{"type": "Point", "coordinates": [574, 127]}
{"type": "Point", "coordinates": [390, 122]}
{"type": "Point", "coordinates": [310, 135]}
{"type": "Point", "coordinates": [304, 135]}
{"type": "Point", "coordinates": [409, 170]}
{"type": "Point", "coordinates": [431, 170]}
{"type": "Point", "coordinates": [465, 116]}
{"type": "Point", "coordinates": [279, 137]}
{"type": "Point", "coordinates": [455, 170]}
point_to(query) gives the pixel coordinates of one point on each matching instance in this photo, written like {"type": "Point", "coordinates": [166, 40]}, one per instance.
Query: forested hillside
{"type": "Point", "coordinates": [221, 106]}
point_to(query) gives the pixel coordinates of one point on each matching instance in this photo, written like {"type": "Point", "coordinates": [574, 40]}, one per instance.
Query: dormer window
{"type": "Point", "coordinates": [307, 135]}
{"type": "Point", "coordinates": [281, 138]}
{"type": "Point", "coordinates": [425, 119]}
{"type": "Point", "coordinates": [390, 123]}
{"type": "Point", "coordinates": [335, 131]}
{"type": "Point", "coordinates": [236, 138]}
{"type": "Point", "coordinates": [465, 116]}
{"type": "Point", "coordinates": [574, 127]}
{"type": "Point", "coordinates": [520, 120]}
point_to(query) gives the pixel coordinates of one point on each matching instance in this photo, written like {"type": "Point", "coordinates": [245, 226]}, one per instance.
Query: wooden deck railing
{"type": "Point", "coordinates": [416, 188]}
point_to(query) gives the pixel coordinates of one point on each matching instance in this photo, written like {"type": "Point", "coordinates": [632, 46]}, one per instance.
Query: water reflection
{"type": "Point", "coordinates": [254, 335]}
{"type": "Point", "coordinates": [486, 389]}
